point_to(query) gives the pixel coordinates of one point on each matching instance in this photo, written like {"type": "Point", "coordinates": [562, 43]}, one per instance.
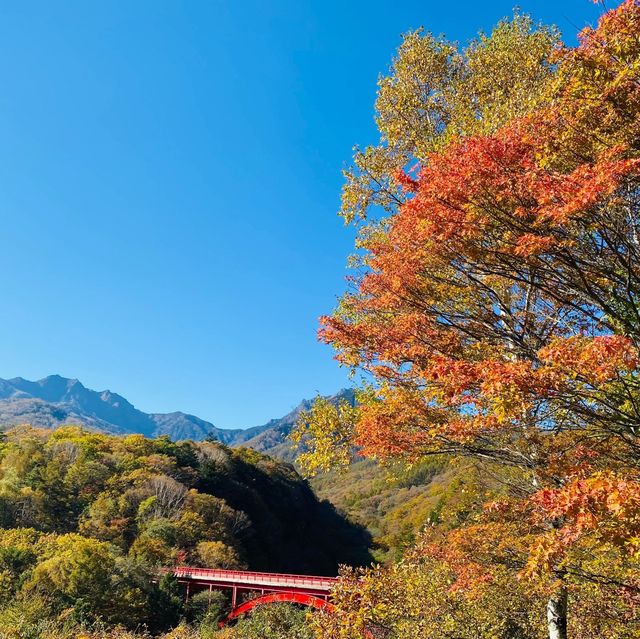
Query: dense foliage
{"type": "Point", "coordinates": [87, 520]}
{"type": "Point", "coordinates": [496, 312]}
{"type": "Point", "coordinates": [395, 503]}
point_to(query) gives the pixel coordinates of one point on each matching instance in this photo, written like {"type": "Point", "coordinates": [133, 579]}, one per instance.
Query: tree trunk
{"type": "Point", "coordinates": [557, 614]}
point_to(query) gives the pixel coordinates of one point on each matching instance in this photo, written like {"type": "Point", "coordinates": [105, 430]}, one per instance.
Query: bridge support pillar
{"type": "Point", "coordinates": [234, 598]}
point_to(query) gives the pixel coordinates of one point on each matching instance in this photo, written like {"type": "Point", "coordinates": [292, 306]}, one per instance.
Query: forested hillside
{"type": "Point", "coordinates": [396, 503]}
{"type": "Point", "coordinates": [87, 518]}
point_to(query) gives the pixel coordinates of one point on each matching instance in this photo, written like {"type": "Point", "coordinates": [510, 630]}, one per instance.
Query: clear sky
{"type": "Point", "coordinates": [169, 177]}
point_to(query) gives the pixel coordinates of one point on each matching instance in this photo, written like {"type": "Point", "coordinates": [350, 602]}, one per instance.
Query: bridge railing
{"type": "Point", "coordinates": [245, 576]}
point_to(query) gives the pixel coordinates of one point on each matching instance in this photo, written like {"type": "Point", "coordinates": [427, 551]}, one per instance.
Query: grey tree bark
{"type": "Point", "coordinates": [557, 614]}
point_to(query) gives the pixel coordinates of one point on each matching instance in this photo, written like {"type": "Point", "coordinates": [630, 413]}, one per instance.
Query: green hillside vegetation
{"type": "Point", "coordinates": [87, 519]}
{"type": "Point", "coordinates": [396, 503]}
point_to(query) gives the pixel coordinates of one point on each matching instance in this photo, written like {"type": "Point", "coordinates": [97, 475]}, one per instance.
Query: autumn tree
{"type": "Point", "coordinates": [216, 554]}
{"type": "Point", "coordinates": [435, 93]}
{"type": "Point", "coordinates": [496, 303]}
{"type": "Point", "coordinates": [90, 577]}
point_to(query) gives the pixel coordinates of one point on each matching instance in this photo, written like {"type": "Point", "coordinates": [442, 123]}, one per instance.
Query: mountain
{"type": "Point", "coordinates": [55, 400]}
{"type": "Point", "coordinates": [184, 426]}
{"type": "Point", "coordinates": [271, 437]}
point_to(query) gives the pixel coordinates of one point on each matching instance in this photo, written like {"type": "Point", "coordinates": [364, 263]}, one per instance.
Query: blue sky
{"type": "Point", "coordinates": [169, 176]}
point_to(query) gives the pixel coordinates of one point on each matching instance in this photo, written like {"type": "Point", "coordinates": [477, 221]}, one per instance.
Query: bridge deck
{"type": "Point", "coordinates": [255, 580]}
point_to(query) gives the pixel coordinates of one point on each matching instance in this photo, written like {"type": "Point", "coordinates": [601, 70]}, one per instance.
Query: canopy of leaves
{"type": "Point", "coordinates": [495, 310]}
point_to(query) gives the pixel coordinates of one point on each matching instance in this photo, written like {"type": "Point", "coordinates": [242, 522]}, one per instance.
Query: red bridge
{"type": "Point", "coordinates": [260, 587]}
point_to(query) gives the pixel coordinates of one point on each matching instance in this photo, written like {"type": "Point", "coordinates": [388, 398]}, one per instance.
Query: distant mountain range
{"type": "Point", "coordinates": [271, 437]}
{"type": "Point", "coordinates": [55, 400]}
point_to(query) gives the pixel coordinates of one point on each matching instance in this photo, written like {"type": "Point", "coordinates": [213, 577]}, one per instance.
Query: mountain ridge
{"type": "Point", "coordinates": [55, 400]}
{"type": "Point", "coordinates": [271, 437]}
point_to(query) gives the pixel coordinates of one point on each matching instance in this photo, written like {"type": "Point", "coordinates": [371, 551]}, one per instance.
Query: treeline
{"type": "Point", "coordinates": [87, 519]}
{"type": "Point", "coordinates": [495, 313]}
